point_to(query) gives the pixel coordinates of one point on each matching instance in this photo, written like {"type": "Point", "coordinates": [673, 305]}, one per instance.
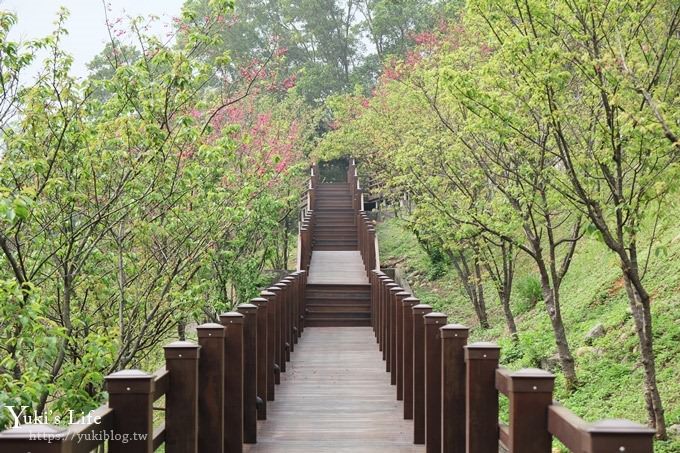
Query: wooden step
{"type": "Point", "coordinates": [334, 322]}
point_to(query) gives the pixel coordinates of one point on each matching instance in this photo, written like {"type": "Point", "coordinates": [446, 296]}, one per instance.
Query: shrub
{"type": "Point", "coordinates": [528, 292]}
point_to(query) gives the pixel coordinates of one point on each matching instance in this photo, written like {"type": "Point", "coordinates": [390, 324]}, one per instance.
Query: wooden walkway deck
{"type": "Point", "coordinates": [337, 267]}
{"type": "Point", "coordinates": [335, 397]}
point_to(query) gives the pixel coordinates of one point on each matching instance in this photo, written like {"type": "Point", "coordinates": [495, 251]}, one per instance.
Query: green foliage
{"type": "Point", "coordinates": [528, 292]}
{"type": "Point", "coordinates": [132, 204]}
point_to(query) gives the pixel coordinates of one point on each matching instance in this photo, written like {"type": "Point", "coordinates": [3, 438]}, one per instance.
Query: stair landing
{"type": "Point", "coordinates": [337, 268]}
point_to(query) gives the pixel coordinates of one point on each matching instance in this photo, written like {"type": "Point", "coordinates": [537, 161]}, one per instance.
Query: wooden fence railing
{"type": "Point", "coordinates": [450, 389]}
{"type": "Point", "coordinates": [215, 390]}
{"type": "Point", "coordinates": [367, 239]}
{"type": "Point", "coordinates": [306, 235]}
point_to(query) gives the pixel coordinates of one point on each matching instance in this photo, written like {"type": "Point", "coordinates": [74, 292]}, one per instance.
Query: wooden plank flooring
{"type": "Point", "coordinates": [337, 267]}
{"type": "Point", "coordinates": [335, 397]}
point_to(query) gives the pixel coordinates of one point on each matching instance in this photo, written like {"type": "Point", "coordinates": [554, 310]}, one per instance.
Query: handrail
{"type": "Point", "coordinates": [306, 226]}
{"type": "Point", "coordinates": [216, 378]}
{"type": "Point", "coordinates": [451, 388]}
{"type": "Point", "coordinates": [368, 243]}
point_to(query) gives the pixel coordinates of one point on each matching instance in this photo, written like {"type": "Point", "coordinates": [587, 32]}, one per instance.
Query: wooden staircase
{"type": "Point", "coordinates": [338, 292]}
{"type": "Point", "coordinates": [333, 305]}
{"type": "Point", "coordinates": [335, 223]}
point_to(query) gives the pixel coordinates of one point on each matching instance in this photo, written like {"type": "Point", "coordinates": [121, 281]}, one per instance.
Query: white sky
{"type": "Point", "coordinates": [86, 24]}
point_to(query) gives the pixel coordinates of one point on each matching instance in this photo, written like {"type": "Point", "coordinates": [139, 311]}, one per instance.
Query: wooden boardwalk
{"type": "Point", "coordinates": [337, 267]}
{"type": "Point", "coordinates": [336, 397]}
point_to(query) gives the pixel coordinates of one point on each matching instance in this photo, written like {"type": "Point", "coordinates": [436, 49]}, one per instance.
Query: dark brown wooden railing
{"type": "Point", "coordinates": [215, 390]}
{"type": "Point", "coordinates": [367, 239]}
{"type": "Point", "coordinates": [450, 388]}
{"type": "Point", "coordinates": [305, 238]}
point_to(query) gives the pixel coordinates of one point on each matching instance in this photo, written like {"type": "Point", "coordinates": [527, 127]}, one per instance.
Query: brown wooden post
{"type": "Point", "coordinates": [370, 238]}
{"type": "Point", "coordinates": [181, 399]}
{"type": "Point", "coordinates": [382, 281]}
{"type": "Point", "coordinates": [290, 294]}
{"type": "Point", "coordinates": [407, 316]}
{"type": "Point", "coordinates": [131, 398]}
{"type": "Point", "coordinates": [211, 388]}
{"type": "Point", "coordinates": [375, 293]}
{"type": "Point", "coordinates": [454, 338]}
{"type": "Point", "coordinates": [294, 307]}
{"type": "Point", "coordinates": [304, 242]}
{"type": "Point", "coordinates": [263, 367]}
{"type": "Point", "coordinates": [393, 332]}
{"type": "Point", "coordinates": [280, 354]}
{"type": "Point", "coordinates": [271, 344]}
{"type": "Point", "coordinates": [233, 381]}
{"type": "Point", "coordinates": [399, 362]}
{"type": "Point", "coordinates": [619, 436]}
{"type": "Point", "coordinates": [36, 438]}
{"type": "Point", "coordinates": [481, 397]}
{"type": "Point", "coordinates": [433, 381]}
{"type": "Point", "coordinates": [285, 320]}
{"type": "Point", "coordinates": [303, 299]}
{"type": "Point", "coordinates": [419, 311]}
{"type": "Point", "coordinates": [249, 311]}
{"type": "Point", "coordinates": [530, 394]}
{"type": "Point", "coordinates": [387, 299]}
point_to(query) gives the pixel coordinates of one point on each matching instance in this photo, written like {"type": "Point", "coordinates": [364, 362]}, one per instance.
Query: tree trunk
{"type": "Point", "coordinates": [504, 296]}
{"type": "Point", "coordinates": [640, 306]}
{"type": "Point", "coordinates": [552, 304]}
{"type": "Point", "coordinates": [481, 303]}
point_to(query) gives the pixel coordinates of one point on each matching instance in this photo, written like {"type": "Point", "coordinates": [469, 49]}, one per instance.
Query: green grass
{"type": "Point", "coordinates": [609, 372]}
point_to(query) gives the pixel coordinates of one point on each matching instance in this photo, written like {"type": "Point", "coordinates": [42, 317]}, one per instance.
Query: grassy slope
{"type": "Point", "coordinates": [611, 378]}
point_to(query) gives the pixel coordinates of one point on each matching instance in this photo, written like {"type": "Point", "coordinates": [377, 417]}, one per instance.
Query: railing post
{"type": "Point", "coordinates": [407, 309]}
{"type": "Point", "coordinates": [433, 381]}
{"type": "Point", "coordinates": [419, 311]}
{"type": "Point", "coordinates": [292, 283]}
{"type": "Point", "coordinates": [387, 302]}
{"type": "Point", "coordinates": [285, 319]}
{"type": "Point", "coordinates": [249, 311]}
{"type": "Point", "coordinates": [181, 399]}
{"type": "Point", "coordinates": [263, 367]}
{"type": "Point", "coordinates": [382, 311]}
{"type": "Point", "coordinates": [233, 381]}
{"type": "Point", "coordinates": [399, 310]}
{"type": "Point", "coordinates": [454, 339]}
{"type": "Point", "coordinates": [300, 301]}
{"type": "Point", "coordinates": [279, 354]}
{"type": "Point", "coordinates": [271, 344]}
{"type": "Point", "coordinates": [393, 332]}
{"type": "Point", "coordinates": [481, 397]}
{"type": "Point", "coordinates": [131, 398]}
{"type": "Point", "coordinates": [211, 388]}
{"type": "Point", "coordinates": [530, 395]}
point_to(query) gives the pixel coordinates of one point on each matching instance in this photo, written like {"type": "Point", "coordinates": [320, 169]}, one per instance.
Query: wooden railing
{"type": "Point", "coordinates": [450, 388]}
{"type": "Point", "coordinates": [367, 239]}
{"type": "Point", "coordinates": [306, 229]}
{"type": "Point", "coordinates": [215, 390]}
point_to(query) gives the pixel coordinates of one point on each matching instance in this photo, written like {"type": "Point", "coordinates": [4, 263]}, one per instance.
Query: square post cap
{"type": "Point", "coordinates": [455, 331]}
{"type": "Point", "coordinates": [231, 317]}
{"type": "Point", "coordinates": [210, 329]}
{"type": "Point", "coordinates": [182, 350]}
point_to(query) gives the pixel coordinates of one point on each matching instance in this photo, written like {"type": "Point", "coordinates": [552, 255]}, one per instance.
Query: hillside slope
{"type": "Point", "coordinates": [608, 370]}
